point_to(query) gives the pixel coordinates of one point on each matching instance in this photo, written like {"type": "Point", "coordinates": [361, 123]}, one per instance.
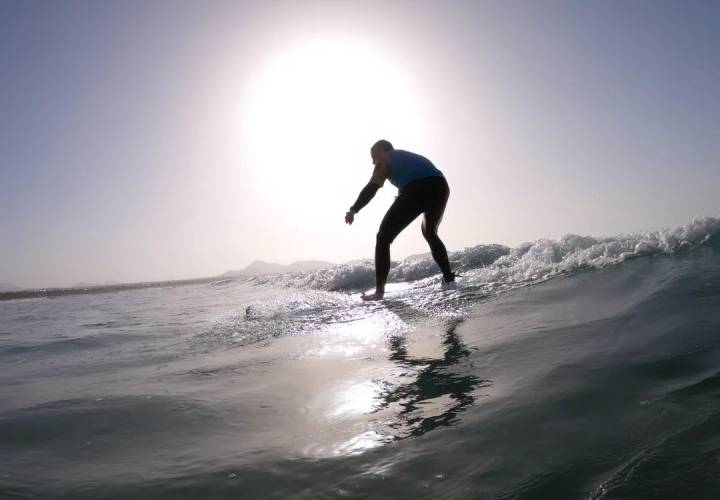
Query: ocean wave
{"type": "Point", "coordinates": [309, 302]}
{"type": "Point", "coordinates": [222, 282]}
{"type": "Point", "coordinates": [358, 274]}
{"type": "Point", "coordinates": [502, 266]}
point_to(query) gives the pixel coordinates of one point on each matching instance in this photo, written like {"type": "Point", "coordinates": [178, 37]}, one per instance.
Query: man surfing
{"type": "Point", "coordinates": [422, 190]}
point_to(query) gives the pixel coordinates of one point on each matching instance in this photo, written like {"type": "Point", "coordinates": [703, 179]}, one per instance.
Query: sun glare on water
{"type": "Point", "coordinates": [313, 110]}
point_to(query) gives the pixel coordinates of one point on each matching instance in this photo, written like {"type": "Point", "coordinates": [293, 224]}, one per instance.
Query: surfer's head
{"type": "Point", "coordinates": [379, 151]}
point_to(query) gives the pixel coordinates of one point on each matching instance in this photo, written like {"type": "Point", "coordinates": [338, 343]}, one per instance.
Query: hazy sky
{"type": "Point", "coordinates": [144, 140]}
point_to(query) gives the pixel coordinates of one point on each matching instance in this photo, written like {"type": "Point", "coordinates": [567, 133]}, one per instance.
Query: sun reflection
{"type": "Point", "coordinates": [409, 398]}
{"type": "Point", "coordinates": [357, 333]}
{"type": "Point", "coordinates": [356, 399]}
{"type": "Point", "coordinates": [360, 443]}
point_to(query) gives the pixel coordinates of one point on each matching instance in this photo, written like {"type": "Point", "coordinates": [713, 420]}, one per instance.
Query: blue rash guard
{"type": "Point", "coordinates": [404, 168]}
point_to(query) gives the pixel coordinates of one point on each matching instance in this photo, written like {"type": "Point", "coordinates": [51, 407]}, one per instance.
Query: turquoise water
{"type": "Point", "coordinates": [577, 368]}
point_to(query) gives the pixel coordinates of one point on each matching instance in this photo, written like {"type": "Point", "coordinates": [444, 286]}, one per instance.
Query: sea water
{"type": "Point", "coordinates": [573, 368]}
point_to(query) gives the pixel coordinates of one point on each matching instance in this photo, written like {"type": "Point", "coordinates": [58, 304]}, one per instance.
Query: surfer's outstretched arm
{"type": "Point", "coordinates": [367, 194]}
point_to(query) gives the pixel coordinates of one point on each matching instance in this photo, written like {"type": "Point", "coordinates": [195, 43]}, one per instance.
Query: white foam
{"type": "Point", "coordinates": [544, 258]}
{"type": "Point", "coordinates": [497, 265]}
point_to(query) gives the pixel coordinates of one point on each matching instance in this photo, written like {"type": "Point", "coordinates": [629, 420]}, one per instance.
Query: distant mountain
{"type": "Point", "coordinates": [8, 287]}
{"type": "Point", "coordinates": [260, 267]}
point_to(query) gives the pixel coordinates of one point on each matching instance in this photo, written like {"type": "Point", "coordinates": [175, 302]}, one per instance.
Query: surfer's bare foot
{"type": "Point", "coordinates": [373, 296]}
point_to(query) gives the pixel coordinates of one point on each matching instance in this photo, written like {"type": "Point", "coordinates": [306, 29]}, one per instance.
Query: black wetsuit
{"type": "Point", "coordinates": [426, 196]}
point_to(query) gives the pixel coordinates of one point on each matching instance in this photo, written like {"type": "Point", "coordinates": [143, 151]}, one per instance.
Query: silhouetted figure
{"type": "Point", "coordinates": [422, 190]}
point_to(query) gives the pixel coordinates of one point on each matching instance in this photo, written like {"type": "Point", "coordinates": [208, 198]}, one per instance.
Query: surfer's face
{"type": "Point", "coordinates": [379, 157]}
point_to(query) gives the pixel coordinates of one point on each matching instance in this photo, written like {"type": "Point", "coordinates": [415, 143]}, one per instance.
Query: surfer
{"type": "Point", "coordinates": [422, 190]}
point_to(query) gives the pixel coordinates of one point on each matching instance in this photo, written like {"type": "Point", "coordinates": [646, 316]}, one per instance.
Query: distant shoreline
{"type": "Point", "coordinates": [256, 268]}
{"type": "Point", "coordinates": [59, 292]}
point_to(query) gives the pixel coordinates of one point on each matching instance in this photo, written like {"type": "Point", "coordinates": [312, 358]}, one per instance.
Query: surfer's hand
{"type": "Point", "coordinates": [349, 217]}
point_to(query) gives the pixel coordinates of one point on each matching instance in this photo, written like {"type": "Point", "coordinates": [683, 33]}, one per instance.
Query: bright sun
{"type": "Point", "coordinates": [314, 109]}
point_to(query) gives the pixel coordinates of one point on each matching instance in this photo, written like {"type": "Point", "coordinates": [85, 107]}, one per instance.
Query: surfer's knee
{"type": "Point", "coordinates": [428, 234]}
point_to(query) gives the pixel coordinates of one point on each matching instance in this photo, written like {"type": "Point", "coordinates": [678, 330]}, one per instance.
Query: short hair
{"type": "Point", "coordinates": [381, 145]}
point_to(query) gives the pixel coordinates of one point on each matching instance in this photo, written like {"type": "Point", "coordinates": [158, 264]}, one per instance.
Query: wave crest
{"type": "Point", "coordinates": [493, 265]}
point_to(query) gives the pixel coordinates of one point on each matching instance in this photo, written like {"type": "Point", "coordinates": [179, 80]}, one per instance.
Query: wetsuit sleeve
{"type": "Point", "coordinates": [367, 194]}
{"type": "Point", "coordinates": [380, 175]}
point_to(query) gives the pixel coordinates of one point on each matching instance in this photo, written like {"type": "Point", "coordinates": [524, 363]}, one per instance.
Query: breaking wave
{"type": "Point", "coordinates": [501, 266]}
